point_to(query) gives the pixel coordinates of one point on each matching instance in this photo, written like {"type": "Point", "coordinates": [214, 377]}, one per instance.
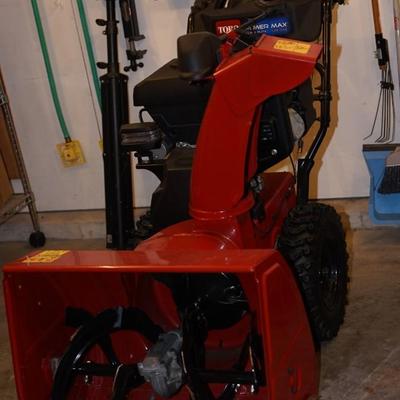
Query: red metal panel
{"type": "Point", "coordinates": [107, 261]}
{"type": "Point", "coordinates": [292, 364]}
{"type": "Point", "coordinates": [37, 295]}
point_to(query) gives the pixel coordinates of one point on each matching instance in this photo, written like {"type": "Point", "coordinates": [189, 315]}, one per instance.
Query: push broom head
{"type": "Point", "coordinates": [391, 178]}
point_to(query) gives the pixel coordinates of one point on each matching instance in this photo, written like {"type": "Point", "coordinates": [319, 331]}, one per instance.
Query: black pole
{"type": "Point", "coordinates": [117, 162]}
{"type": "Point", "coordinates": [325, 97]}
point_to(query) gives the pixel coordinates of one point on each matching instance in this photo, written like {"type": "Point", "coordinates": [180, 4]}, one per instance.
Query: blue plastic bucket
{"type": "Point", "coordinates": [383, 208]}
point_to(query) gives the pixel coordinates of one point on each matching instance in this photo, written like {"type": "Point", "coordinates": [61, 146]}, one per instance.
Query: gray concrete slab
{"type": "Point", "coordinates": [362, 363]}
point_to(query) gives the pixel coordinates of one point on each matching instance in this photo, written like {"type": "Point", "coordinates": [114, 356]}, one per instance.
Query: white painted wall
{"type": "Point", "coordinates": [342, 172]}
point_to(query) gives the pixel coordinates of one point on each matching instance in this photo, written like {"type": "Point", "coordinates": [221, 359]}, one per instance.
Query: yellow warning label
{"type": "Point", "coordinates": [46, 256]}
{"type": "Point", "coordinates": [292, 46]}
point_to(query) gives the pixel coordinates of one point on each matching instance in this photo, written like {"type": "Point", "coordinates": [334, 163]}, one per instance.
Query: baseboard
{"type": "Point", "coordinates": [90, 224]}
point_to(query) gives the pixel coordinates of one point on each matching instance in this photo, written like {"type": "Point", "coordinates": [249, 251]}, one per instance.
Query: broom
{"type": "Point", "coordinates": [390, 182]}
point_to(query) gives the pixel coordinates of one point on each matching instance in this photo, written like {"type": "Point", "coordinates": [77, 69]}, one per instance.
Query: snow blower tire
{"type": "Point", "coordinates": [313, 243]}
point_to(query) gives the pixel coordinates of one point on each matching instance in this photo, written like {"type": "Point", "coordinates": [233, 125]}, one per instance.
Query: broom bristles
{"type": "Point", "coordinates": [391, 178]}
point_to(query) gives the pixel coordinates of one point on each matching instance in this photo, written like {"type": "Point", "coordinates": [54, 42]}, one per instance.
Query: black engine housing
{"type": "Point", "coordinates": [178, 105]}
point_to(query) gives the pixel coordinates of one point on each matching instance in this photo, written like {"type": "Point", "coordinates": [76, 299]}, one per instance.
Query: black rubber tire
{"type": "Point", "coordinates": [313, 243]}
{"type": "Point", "coordinates": [37, 239]}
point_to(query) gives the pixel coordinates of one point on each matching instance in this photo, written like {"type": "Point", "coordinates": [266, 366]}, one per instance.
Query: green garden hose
{"type": "Point", "coordinates": [49, 70]}
{"type": "Point", "coordinates": [89, 48]}
{"type": "Point", "coordinates": [86, 55]}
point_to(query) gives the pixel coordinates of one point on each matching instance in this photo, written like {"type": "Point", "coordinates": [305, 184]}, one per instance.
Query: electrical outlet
{"type": "Point", "coordinates": [71, 153]}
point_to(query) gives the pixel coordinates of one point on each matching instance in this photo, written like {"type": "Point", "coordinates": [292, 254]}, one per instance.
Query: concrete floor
{"type": "Point", "coordinates": [362, 363]}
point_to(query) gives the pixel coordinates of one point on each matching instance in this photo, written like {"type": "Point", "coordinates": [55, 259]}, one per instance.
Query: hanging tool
{"type": "Point", "coordinates": [131, 32]}
{"type": "Point", "coordinates": [385, 108]}
{"type": "Point", "coordinates": [391, 178]}
{"type": "Point", "coordinates": [70, 152]}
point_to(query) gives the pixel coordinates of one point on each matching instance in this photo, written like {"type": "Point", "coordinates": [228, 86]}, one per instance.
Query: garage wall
{"type": "Point", "coordinates": [342, 172]}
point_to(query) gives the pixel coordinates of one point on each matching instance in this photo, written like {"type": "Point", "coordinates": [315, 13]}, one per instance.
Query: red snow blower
{"type": "Point", "coordinates": [232, 302]}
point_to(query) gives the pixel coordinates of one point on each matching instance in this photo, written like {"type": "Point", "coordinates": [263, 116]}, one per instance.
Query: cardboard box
{"type": "Point", "coordinates": [5, 184]}
{"type": "Point", "coordinates": [6, 148]}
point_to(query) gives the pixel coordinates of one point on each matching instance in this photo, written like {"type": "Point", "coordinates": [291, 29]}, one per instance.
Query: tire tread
{"type": "Point", "coordinates": [300, 236]}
